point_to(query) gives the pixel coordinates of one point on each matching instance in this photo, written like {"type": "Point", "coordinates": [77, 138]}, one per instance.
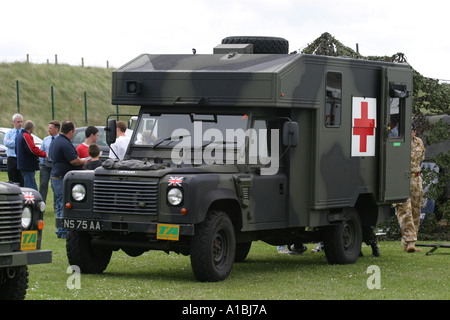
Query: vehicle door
{"type": "Point", "coordinates": [395, 139]}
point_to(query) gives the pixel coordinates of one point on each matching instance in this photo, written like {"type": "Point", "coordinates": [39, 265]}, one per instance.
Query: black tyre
{"type": "Point", "coordinates": [342, 243]}
{"type": "Point", "coordinates": [261, 45]}
{"type": "Point", "coordinates": [13, 283]}
{"type": "Point", "coordinates": [242, 250]}
{"type": "Point", "coordinates": [213, 248]}
{"type": "Point", "coordinates": [80, 252]}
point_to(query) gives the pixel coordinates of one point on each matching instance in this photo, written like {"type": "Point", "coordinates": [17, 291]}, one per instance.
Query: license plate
{"type": "Point", "coordinates": [168, 232]}
{"type": "Point", "coordinates": [5, 161]}
{"type": "Point", "coordinates": [80, 224]}
{"type": "Point", "coordinates": [29, 240]}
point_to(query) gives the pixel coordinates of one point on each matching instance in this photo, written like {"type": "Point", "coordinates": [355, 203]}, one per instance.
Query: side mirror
{"type": "Point", "coordinates": [110, 130]}
{"type": "Point", "coordinates": [290, 134]}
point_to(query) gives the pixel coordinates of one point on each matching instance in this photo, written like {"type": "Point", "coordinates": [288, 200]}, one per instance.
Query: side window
{"type": "Point", "coordinates": [79, 137]}
{"type": "Point", "coordinates": [101, 141]}
{"type": "Point", "coordinates": [397, 93]}
{"type": "Point", "coordinates": [394, 118]}
{"type": "Point", "coordinates": [259, 142]}
{"type": "Point", "coordinates": [261, 146]}
{"type": "Point", "coordinates": [333, 102]}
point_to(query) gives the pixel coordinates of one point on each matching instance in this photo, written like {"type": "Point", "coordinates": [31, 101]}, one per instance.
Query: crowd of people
{"type": "Point", "coordinates": [56, 156]}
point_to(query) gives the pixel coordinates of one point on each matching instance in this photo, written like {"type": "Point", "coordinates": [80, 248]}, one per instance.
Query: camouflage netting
{"type": "Point", "coordinates": [327, 45]}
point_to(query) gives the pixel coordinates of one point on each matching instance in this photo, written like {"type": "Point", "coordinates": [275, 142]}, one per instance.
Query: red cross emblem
{"type": "Point", "coordinates": [364, 123]}
{"type": "Point", "coordinates": [364, 127]}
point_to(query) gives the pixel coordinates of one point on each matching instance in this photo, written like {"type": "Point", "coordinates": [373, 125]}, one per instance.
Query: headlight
{"type": "Point", "coordinates": [78, 192]}
{"type": "Point", "coordinates": [175, 196]}
{"type": "Point", "coordinates": [27, 217]}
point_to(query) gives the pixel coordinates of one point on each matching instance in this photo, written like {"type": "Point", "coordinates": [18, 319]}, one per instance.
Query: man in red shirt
{"type": "Point", "coordinates": [91, 137]}
{"type": "Point", "coordinates": [27, 155]}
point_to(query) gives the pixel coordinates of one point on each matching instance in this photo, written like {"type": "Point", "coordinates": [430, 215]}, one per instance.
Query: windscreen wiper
{"type": "Point", "coordinates": [169, 138]}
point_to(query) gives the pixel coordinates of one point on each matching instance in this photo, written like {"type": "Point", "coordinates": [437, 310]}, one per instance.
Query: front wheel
{"type": "Point", "coordinates": [213, 248]}
{"type": "Point", "coordinates": [13, 283]}
{"type": "Point", "coordinates": [342, 243]}
{"type": "Point", "coordinates": [80, 252]}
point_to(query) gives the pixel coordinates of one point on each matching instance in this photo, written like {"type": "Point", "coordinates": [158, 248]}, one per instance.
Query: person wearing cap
{"type": "Point", "coordinates": [408, 213]}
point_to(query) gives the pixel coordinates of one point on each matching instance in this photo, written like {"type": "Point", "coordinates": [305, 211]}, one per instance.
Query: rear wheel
{"type": "Point", "coordinates": [213, 248]}
{"type": "Point", "coordinates": [242, 250]}
{"type": "Point", "coordinates": [342, 243]}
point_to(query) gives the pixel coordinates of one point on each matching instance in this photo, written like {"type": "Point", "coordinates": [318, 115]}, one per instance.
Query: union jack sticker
{"type": "Point", "coordinates": [175, 181]}
{"type": "Point", "coordinates": [29, 197]}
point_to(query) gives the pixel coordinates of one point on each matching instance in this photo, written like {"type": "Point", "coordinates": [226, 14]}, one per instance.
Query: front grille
{"type": "Point", "coordinates": [10, 221]}
{"type": "Point", "coordinates": [126, 197]}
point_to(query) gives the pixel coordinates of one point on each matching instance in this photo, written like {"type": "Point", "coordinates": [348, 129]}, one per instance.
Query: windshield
{"type": "Point", "coordinates": [166, 130]}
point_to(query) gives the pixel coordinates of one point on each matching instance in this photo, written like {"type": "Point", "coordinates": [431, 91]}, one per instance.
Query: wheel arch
{"type": "Point", "coordinates": [224, 200]}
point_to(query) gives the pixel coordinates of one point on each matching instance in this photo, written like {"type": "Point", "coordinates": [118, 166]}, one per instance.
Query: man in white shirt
{"type": "Point", "coordinates": [120, 146]}
{"type": "Point", "coordinates": [14, 175]}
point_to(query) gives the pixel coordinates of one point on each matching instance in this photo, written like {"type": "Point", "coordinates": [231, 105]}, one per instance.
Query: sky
{"type": "Point", "coordinates": [118, 31]}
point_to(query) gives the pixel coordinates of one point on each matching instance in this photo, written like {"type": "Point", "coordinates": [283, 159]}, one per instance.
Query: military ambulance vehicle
{"type": "Point", "coordinates": [245, 144]}
{"type": "Point", "coordinates": [21, 224]}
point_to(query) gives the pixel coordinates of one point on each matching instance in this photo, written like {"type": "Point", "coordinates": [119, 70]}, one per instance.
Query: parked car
{"type": "Point", "coordinates": [3, 157]}
{"type": "Point", "coordinates": [79, 138]}
{"type": "Point", "coordinates": [3, 131]}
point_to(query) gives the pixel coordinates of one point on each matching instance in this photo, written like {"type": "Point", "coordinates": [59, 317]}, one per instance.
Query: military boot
{"type": "Point", "coordinates": [375, 250]}
{"type": "Point", "coordinates": [412, 247]}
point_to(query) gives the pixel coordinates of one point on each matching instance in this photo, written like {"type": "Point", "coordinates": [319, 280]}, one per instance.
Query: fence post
{"type": "Point", "coordinates": [85, 108]}
{"type": "Point", "coordinates": [18, 96]}
{"type": "Point", "coordinates": [53, 104]}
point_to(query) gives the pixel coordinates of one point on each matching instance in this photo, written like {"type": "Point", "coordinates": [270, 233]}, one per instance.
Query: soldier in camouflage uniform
{"type": "Point", "coordinates": [408, 213]}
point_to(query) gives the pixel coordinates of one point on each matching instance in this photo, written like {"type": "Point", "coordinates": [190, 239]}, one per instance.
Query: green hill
{"type": "Point", "coordinates": [69, 86]}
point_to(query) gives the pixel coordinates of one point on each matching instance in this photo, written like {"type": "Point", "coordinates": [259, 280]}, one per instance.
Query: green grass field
{"type": "Point", "coordinates": [265, 275]}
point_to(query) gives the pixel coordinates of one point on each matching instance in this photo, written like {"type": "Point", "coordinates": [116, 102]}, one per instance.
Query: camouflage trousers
{"type": "Point", "coordinates": [408, 213]}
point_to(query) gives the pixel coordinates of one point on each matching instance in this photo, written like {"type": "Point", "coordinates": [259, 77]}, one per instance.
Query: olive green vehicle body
{"type": "Point", "coordinates": [20, 245]}
{"type": "Point", "coordinates": [16, 250]}
{"type": "Point", "coordinates": [317, 181]}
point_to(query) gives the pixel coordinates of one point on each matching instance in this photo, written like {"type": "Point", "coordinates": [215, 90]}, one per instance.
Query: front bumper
{"type": "Point", "coordinates": [13, 259]}
{"type": "Point", "coordinates": [95, 225]}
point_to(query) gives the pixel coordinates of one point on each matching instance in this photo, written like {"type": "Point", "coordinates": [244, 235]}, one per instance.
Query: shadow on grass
{"type": "Point", "coordinates": [180, 270]}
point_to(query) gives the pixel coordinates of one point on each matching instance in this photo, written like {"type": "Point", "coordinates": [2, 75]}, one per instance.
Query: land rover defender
{"type": "Point", "coordinates": [21, 224]}
{"type": "Point", "coordinates": [244, 145]}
